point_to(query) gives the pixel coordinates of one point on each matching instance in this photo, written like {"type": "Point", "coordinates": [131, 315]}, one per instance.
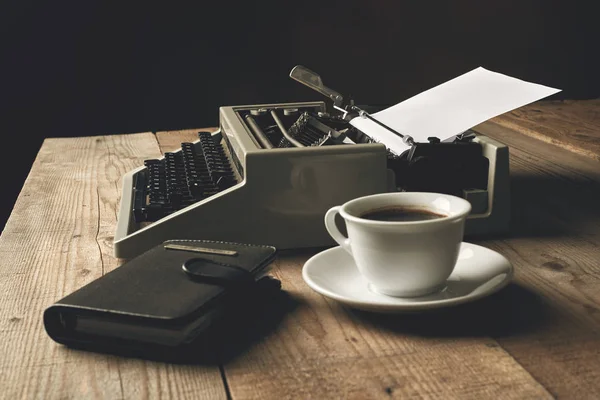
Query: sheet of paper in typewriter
{"type": "Point", "coordinates": [452, 107]}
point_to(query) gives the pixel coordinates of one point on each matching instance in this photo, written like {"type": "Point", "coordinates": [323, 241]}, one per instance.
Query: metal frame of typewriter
{"type": "Point", "coordinates": [283, 193]}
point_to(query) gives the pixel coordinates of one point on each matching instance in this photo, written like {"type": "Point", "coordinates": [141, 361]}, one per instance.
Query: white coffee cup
{"type": "Point", "coordinates": [400, 258]}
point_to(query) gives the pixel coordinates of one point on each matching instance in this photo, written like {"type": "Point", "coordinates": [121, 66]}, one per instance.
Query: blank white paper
{"type": "Point", "coordinates": [452, 107]}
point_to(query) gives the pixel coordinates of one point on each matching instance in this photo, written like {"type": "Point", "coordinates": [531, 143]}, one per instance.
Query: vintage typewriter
{"type": "Point", "coordinates": [271, 171]}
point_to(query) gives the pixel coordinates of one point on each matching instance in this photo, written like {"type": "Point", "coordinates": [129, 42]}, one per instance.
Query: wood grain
{"type": "Point", "coordinates": [59, 238]}
{"type": "Point", "coordinates": [322, 350]}
{"type": "Point", "coordinates": [537, 338]}
{"type": "Point", "coordinates": [171, 140]}
{"type": "Point", "coordinates": [570, 124]}
{"type": "Point", "coordinates": [555, 247]}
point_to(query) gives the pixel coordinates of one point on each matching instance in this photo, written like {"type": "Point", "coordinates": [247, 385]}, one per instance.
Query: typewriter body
{"type": "Point", "coordinates": [271, 171]}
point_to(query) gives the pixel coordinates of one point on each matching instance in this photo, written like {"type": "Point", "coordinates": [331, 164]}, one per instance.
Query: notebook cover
{"type": "Point", "coordinates": [153, 291]}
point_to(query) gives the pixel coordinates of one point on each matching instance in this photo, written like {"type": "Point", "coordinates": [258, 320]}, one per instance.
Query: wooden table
{"type": "Point", "coordinates": [537, 338]}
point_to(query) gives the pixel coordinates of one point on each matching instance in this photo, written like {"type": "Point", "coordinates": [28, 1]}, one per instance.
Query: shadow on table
{"type": "Point", "coordinates": [552, 205]}
{"type": "Point", "coordinates": [226, 339]}
{"type": "Point", "coordinates": [512, 311]}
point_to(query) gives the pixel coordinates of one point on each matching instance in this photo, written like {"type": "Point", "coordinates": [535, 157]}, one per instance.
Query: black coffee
{"type": "Point", "coordinates": [401, 214]}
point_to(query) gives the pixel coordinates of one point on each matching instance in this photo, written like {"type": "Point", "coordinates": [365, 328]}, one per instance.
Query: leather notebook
{"type": "Point", "coordinates": [166, 296]}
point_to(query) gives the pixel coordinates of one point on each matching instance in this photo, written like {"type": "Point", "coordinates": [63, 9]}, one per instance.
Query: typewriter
{"type": "Point", "coordinates": [271, 171]}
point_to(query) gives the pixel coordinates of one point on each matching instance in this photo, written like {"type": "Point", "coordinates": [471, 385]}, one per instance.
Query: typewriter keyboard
{"type": "Point", "coordinates": [181, 178]}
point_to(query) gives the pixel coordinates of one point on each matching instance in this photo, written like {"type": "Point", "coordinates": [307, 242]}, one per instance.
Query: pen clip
{"type": "Point", "coordinates": [199, 249]}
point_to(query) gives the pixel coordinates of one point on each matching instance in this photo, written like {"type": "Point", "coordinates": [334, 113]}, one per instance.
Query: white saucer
{"type": "Point", "coordinates": [479, 272]}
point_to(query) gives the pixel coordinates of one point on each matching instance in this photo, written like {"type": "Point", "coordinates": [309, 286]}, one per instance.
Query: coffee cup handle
{"type": "Point", "coordinates": [333, 230]}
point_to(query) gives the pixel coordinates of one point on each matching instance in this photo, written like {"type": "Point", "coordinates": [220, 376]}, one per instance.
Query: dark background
{"type": "Point", "coordinates": [90, 67]}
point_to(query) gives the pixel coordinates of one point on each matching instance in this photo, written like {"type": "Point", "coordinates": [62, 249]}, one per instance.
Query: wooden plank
{"type": "Point", "coordinates": [59, 238]}
{"type": "Point", "coordinates": [322, 350]}
{"type": "Point", "coordinates": [571, 124]}
{"type": "Point", "coordinates": [555, 247]}
{"type": "Point", "coordinates": [171, 140]}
